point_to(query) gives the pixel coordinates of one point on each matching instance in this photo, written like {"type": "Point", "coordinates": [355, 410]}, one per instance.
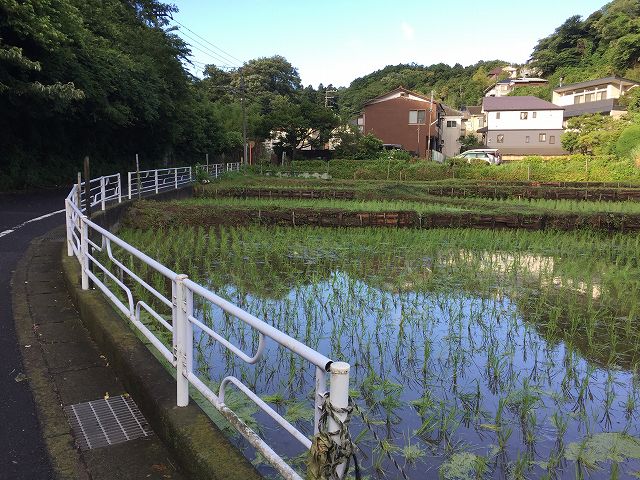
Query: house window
{"type": "Point", "coordinates": [601, 96]}
{"type": "Point", "coordinates": [552, 139]}
{"type": "Point", "coordinates": [500, 138]}
{"type": "Point", "coordinates": [452, 123]}
{"type": "Point", "coordinates": [534, 114]}
{"type": "Point", "coordinates": [497, 115]}
{"type": "Point", "coordinates": [578, 99]}
{"type": "Point", "coordinates": [417, 117]}
{"type": "Point", "coordinates": [542, 137]}
{"type": "Point", "coordinates": [524, 115]}
{"type": "Point", "coordinates": [527, 139]}
{"type": "Point", "coordinates": [589, 97]}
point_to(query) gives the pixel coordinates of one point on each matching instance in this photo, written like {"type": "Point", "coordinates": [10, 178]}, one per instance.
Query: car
{"type": "Point", "coordinates": [489, 155]}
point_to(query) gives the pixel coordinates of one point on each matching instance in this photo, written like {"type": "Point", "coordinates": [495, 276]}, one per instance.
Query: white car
{"type": "Point", "coordinates": [490, 155]}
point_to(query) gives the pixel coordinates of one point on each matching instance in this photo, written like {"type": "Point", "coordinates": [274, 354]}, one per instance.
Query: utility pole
{"type": "Point", "coordinates": [243, 92]}
{"type": "Point", "coordinates": [430, 114]}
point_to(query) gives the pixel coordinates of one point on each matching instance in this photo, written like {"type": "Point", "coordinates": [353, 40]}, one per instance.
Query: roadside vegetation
{"type": "Point", "coordinates": [575, 168]}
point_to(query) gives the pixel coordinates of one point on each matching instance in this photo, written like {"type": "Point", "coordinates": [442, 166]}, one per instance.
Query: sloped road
{"type": "Point", "coordinates": [23, 217]}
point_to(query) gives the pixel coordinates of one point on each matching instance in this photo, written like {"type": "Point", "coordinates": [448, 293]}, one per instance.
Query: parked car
{"type": "Point", "coordinates": [489, 155]}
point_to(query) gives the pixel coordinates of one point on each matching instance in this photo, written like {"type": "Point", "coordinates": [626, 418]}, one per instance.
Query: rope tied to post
{"type": "Point", "coordinates": [326, 454]}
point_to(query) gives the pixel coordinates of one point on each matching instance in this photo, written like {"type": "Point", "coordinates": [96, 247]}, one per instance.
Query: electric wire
{"type": "Point", "coordinates": [229, 58]}
{"type": "Point", "coordinates": [196, 45]}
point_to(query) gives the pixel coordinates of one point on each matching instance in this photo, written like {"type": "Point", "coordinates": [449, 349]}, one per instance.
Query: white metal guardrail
{"type": "Point", "coordinates": [154, 181]}
{"type": "Point", "coordinates": [85, 238]}
{"type": "Point", "coordinates": [102, 190]}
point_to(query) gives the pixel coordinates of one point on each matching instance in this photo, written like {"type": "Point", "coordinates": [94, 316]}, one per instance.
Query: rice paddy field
{"type": "Point", "coordinates": [475, 353]}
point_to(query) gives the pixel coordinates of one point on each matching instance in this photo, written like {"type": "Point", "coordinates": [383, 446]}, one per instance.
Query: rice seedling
{"type": "Point", "coordinates": [459, 337]}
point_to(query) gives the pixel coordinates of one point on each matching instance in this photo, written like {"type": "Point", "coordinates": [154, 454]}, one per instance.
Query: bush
{"type": "Point", "coordinates": [352, 144]}
{"type": "Point", "coordinates": [573, 168]}
{"type": "Point", "coordinates": [628, 141]}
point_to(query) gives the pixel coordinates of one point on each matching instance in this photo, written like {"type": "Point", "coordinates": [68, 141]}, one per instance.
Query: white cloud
{"type": "Point", "coordinates": [407, 30]}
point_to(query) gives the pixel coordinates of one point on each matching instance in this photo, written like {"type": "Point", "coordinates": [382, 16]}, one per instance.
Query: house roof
{"type": "Point", "coordinates": [398, 90]}
{"type": "Point", "coordinates": [475, 110]}
{"type": "Point", "coordinates": [529, 80]}
{"type": "Point", "coordinates": [594, 83]}
{"type": "Point", "coordinates": [451, 112]}
{"type": "Point", "coordinates": [493, 104]}
{"type": "Point", "coordinates": [495, 71]}
{"type": "Point", "coordinates": [599, 106]}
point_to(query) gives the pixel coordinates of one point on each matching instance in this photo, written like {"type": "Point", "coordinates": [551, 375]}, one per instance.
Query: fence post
{"type": "Point", "coordinates": [176, 178]}
{"type": "Point", "coordinates": [119, 189]}
{"type": "Point", "coordinates": [321, 388]}
{"type": "Point", "coordinates": [339, 398]}
{"type": "Point", "coordinates": [68, 223]}
{"type": "Point", "coordinates": [156, 175]}
{"type": "Point", "coordinates": [84, 251]}
{"type": "Point", "coordinates": [183, 339]}
{"type": "Point", "coordinates": [103, 193]}
{"type": "Point", "coordinates": [129, 181]}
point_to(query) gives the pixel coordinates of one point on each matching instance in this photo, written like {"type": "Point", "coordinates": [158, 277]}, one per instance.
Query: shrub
{"type": "Point", "coordinates": [628, 141]}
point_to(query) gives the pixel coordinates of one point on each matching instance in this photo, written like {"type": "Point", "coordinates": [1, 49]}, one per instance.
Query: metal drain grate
{"type": "Point", "coordinates": [100, 423]}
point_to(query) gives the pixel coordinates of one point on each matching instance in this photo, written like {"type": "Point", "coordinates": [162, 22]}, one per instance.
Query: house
{"type": "Point", "coordinates": [523, 125]}
{"type": "Point", "coordinates": [505, 87]}
{"type": "Point", "coordinates": [472, 121]}
{"type": "Point", "coordinates": [402, 117]}
{"type": "Point", "coordinates": [593, 96]}
{"type": "Point", "coordinates": [451, 128]}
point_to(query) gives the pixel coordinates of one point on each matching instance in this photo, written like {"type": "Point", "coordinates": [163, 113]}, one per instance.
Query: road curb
{"type": "Point", "coordinates": [198, 445]}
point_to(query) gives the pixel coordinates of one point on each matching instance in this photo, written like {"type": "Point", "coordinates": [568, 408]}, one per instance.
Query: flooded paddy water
{"type": "Point", "coordinates": [474, 354]}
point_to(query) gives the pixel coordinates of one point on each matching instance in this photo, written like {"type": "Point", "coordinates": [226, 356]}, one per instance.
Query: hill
{"type": "Point", "coordinates": [605, 43]}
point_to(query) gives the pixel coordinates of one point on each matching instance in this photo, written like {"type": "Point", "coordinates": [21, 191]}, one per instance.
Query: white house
{"type": "Point", "coordinates": [451, 129]}
{"type": "Point", "coordinates": [523, 125]}
{"type": "Point", "coordinates": [594, 96]}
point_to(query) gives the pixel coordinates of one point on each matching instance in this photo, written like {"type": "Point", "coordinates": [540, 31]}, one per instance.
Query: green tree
{"type": "Point", "coordinates": [351, 143]}
{"type": "Point", "coordinates": [592, 134]}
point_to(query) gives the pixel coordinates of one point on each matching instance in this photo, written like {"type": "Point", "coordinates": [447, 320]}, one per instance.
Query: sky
{"type": "Point", "coordinates": [335, 42]}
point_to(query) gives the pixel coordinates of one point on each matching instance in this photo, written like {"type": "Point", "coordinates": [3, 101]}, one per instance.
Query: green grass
{"type": "Point", "coordinates": [428, 205]}
{"type": "Point", "coordinates": [320, 204]}
{"type": "Point", "coordinates": [563, 169]}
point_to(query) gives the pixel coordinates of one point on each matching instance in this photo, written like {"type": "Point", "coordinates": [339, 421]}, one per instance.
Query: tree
{"type": "Point", "coordinates": [592, 134]}
{"type": "Point", "coordinates": [469, 142]}
{"type": "Point", "coordinates": [297, 121]}
{"type": "Point", "coordinates": [351, 143]}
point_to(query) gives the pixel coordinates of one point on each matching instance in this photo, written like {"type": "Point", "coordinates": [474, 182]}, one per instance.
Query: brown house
{"type": "Point", "coordinates": [403, 118]}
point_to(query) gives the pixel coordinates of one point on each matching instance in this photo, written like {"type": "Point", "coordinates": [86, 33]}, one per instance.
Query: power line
{"type": "Point", "coordinates": [230, 58]}
{"type": "Point", "coordinates": [196, 45]}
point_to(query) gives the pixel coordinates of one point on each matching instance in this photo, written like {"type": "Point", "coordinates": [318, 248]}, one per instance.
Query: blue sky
{"type": "Point", "coordinates": [334, 42]}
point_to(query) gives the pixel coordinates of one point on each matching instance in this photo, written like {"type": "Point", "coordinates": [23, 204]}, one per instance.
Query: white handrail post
{"type": "Point", "coordinates": [339, 398]}
{"type": "Point", "coordinates": [84, 251]}
{"type": "Point", "coordinates": [190, 175]}
{"type": "Point", "coordinates": [119, 189]}
{"type": "Point", "coordinates": [183, 344]}
{"type": "Point", "coordinates": [321, 389]}
{"type": "Point", "coordinates": [69, 226]}
{"type": "Point", "coordinates": [156, 181]}
{"type": "Point", "coordinates": [176, 178]}
{"type": "Point", "coordinates": [103, 193]}
{"type": "Point", "coordinates": [129, 175]}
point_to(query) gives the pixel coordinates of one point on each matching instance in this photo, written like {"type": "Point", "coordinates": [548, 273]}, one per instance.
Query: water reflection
{"type": "Point", "coordinates": [508, 356]}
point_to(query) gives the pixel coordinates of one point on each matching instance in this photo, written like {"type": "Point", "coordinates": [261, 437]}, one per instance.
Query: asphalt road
{"type": "Point", "coordinates": [22, 450]}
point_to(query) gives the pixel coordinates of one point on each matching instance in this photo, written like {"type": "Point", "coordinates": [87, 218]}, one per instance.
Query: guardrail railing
{"type": "Point", "coordinates": [108, 273]}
